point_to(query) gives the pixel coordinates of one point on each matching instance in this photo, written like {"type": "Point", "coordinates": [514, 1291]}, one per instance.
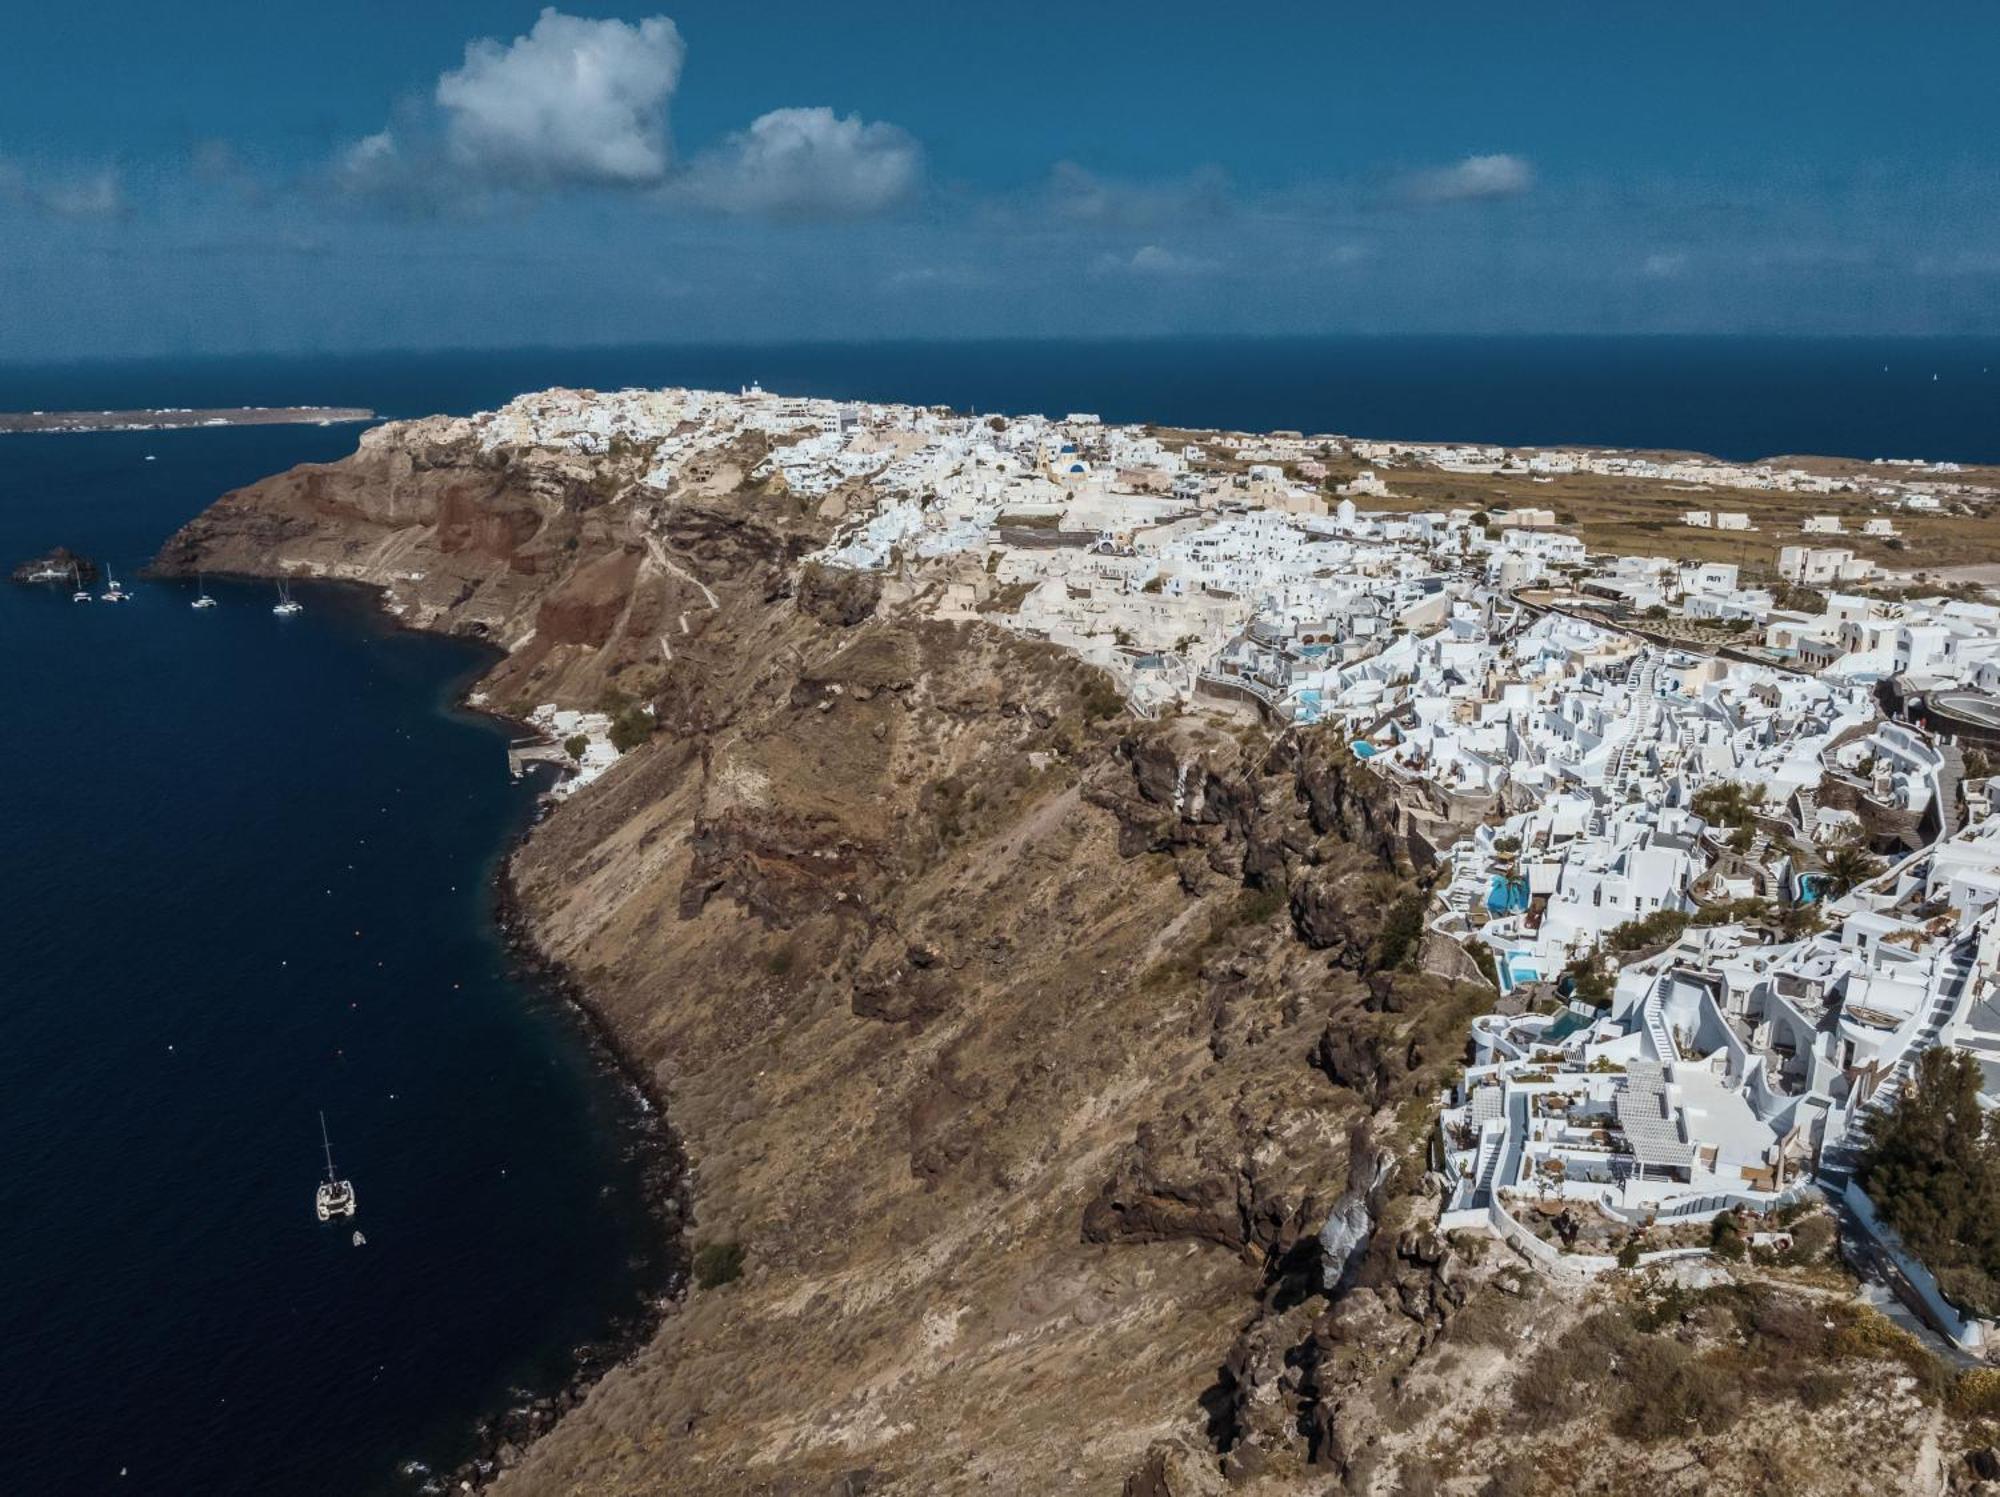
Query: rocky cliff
{"type": "Point", "coordinates": [1061, 1077]}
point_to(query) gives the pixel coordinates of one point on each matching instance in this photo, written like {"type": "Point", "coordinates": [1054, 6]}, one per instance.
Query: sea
{"type": "Point", "coordinates": [247, 864]}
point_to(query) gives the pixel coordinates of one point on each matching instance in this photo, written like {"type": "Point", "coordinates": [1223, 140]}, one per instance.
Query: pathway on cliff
{"type": "Point", "coordinates": [658, 553]}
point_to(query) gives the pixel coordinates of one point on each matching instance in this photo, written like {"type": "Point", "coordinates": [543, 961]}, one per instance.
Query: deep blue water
{"type": "Point", "coordinates": [246, 868]}
{"type": "Point", "coordinates": [244, 872]}
{"type": "Point", "coordinates": [1734, 397]}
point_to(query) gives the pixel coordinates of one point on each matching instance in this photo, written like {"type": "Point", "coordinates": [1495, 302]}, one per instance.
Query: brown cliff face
{"type": "Point", "coordinates": [1023, 1048]}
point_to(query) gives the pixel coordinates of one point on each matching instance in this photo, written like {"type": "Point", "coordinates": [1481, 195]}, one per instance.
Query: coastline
{"type": "Point", "coordinates": [28, 423]}
{"type": "Point", "coordinates": [499, 1440]}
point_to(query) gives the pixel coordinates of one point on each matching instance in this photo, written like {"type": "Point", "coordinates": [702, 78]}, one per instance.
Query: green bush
{"type": "Point", "coordinates": [1932, 1168]}
{"type": "Point", "coordinates": [1666, 1392]}
{"type": "Point", "coordinates": [1101, 700]}
{"type": "Point", "coordinates": [1725, 1236]}
{"type": "Point", "coordinates": [1482, 958]}
{"type": "Point", "coordinates": [1812, 1239]}
{"type": "Point", "coordinates": [717, 1263]}
{"type": "Point", "coordinates": [1728, 804]}
{"type": "Point", "coordinates": [1656, 929]}
{"type": "Point", "coordinates": [1256, 906]}
{"type": "Point", "coordinates": [1589, 982]}
{"type": "Point", "coordinates": [1402, 933]}
{"type": "Point", "coordinates": [575, 745]}
{"type": "Point", "coordinates": [631, 727]}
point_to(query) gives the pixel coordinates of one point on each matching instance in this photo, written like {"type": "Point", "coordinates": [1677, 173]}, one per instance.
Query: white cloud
{"type": "Point", "coordinates": [575, 101]}
{"type": "Point", "coordinates": [952, 277]}
{"type": "Point", "coordinates": [1079, 195]}
{"type": "Point", "coordinates": [1664, 265]}
{"type": "Point", "coordinates": [370, 163]}
{"type": "Point", "coordinates": [1153, 260]}
{"type": "Point", "coordinates": [584, 103]}
{"type": "Point", "coordinates": [94, 194]}
{"type": "Point", "coordinates": [1496, 176]}
{"type": "Point", "coordinates": [806, 163]}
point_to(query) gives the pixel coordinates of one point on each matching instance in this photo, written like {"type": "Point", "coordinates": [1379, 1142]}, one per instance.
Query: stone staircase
{"type": "Point", "coordinates": [1808, 804]}
{"type": "Point", "coordinates": [1950, 774]}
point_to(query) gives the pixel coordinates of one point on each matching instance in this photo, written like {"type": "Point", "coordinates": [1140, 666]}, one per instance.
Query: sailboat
{"type": "Point", "coordinates": [113, 592]}
{"type": "Point", "coordinates": [203, 600]}
{"type": "Point", "coordinates": [335, 1196]}
{"type": "Point", "coordinates": [284, 608]}
{"type": "Point", "coordinates": [82, 593]}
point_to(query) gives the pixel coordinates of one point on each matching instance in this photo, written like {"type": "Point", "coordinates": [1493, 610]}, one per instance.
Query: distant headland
{"type": "Point", "coordinates": [170, 419]}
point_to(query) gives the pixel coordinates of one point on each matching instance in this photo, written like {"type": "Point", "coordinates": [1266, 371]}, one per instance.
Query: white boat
{"type": "Point", "coordinates": [113, 592]}
{"type": "Point", "coordinates": [284, 608]}
{"type": "Point", "coordinates": [359, 1240]}
{"type": "Point", "coordinates": [204, 600]}
{"type": "Point", "coordinates": [82, 593]}
{"type": "Point", "coordinates": [335, 1196]}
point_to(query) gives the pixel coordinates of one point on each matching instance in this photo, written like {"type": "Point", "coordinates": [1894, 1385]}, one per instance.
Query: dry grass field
{"type": "Point", "coordinates": [1643, 517]}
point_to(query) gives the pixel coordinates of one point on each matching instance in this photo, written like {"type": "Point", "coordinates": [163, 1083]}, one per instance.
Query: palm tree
{"type": "Point", "coordinates": [1847, 867]}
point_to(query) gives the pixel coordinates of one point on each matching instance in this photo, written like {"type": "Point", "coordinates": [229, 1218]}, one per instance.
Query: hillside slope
{"type": "Point", "coordinates": [1023, 1048]}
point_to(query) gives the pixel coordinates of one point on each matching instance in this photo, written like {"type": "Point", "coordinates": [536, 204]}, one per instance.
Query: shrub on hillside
{"type": "Point", "coordinates": [717, 1263]}
{"type": "Point", "coordinates": [1932, 1168]}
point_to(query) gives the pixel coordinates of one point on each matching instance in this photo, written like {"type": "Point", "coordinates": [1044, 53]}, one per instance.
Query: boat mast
{"type": "Point", "coordinates": [328, 1144]}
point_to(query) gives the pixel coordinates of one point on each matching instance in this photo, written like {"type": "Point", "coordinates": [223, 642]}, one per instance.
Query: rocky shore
{"type": "Point", "coordinates": [59, 566]}
{"type": "Point", "coordinates": [500, 1442]}
{"type": "Point", "coordinates": [1060, 1081]}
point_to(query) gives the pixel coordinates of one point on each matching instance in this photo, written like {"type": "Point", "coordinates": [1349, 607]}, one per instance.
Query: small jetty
{"type": "Point", "coordinates": [524, 754]}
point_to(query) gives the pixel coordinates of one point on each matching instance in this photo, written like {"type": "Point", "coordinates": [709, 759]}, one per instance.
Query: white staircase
{"type": "Point", "coordinates": [1664, 1047]}
{"type": "Point", "coordinates": [1838, 1159]}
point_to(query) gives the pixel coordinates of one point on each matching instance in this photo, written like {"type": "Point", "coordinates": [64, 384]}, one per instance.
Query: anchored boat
{"type": "Point", "coordinates": [335, 1196]}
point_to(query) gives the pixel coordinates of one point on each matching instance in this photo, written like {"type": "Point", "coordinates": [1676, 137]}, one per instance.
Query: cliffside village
{"type": "Point", "coordinates": [1724, 844]}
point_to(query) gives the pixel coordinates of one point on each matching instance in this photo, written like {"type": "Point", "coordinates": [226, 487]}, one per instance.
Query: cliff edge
{"type": "Point", "coordinates": [1055, 1082]}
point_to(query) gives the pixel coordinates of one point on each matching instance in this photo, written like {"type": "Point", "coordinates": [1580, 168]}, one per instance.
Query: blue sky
{"type": "Point", "coordinates": [218, 175]}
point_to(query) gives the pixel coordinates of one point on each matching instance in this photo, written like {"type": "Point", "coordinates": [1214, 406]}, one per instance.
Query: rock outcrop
{"type": "Point", "coordinates": [58, 566]}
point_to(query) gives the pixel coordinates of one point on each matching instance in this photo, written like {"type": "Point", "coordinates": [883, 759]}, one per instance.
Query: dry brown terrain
{"type": "Point", "coordinates": [1643, 518]}
{"type": "Point", "coordinates": [1023, 1048]}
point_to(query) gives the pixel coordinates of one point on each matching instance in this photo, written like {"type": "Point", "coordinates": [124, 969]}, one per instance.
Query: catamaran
{"type": "Point", "coordinates": [113, 592]}
{"type": "Point", "coordinates": [203, 600]}
{"type": "Point", "coordinates": [335, 1196]}
{"type": "Point", "coordinates": [82, 593]}
{"type": "Point", "coordinates": [285, 607]}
